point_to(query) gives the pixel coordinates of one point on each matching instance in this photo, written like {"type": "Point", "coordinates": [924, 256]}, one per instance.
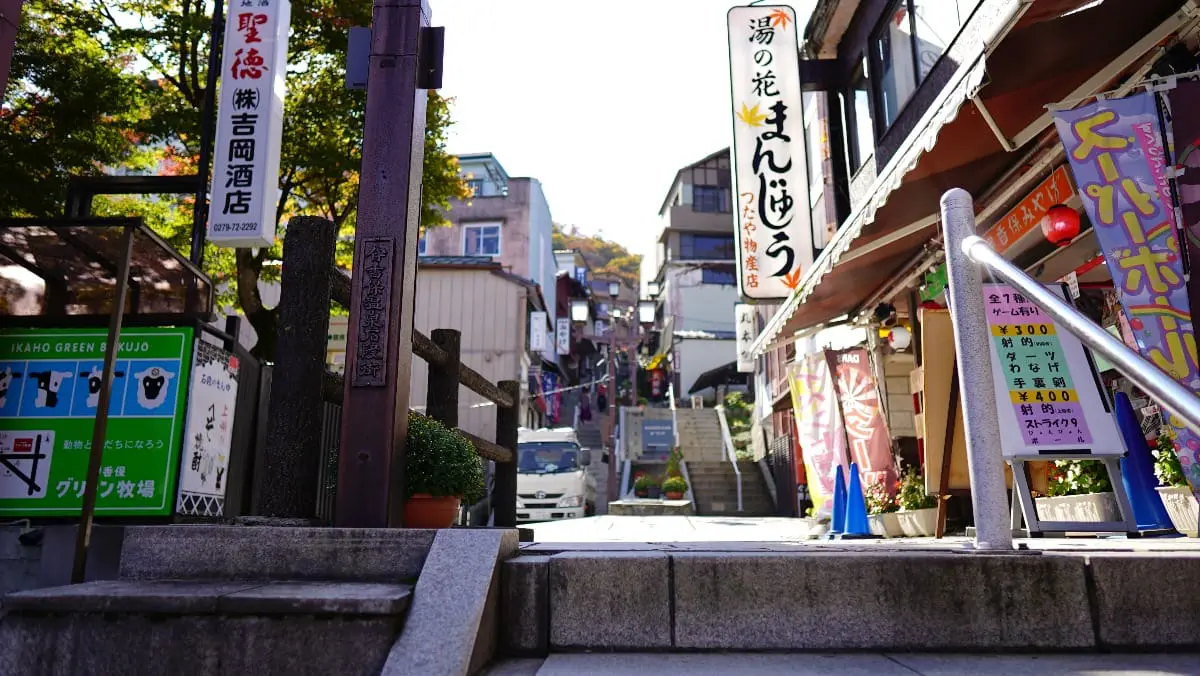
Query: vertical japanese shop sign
{"type": "Point", "coordinates": [208, 437]}
{"type": "Point", "coordinates": [539, 341]}
{"type": "Point", "coordinates": [1116, 154]}
{"type": "Point", "coordinates": [746, 331]}
{"type": "Point", "coordinates": [245, 180]}
{"type": "Point", "coordinates": [867, 435]}
{"type": "Point", "coordinates": [775, 241]}
{"type": "Point", "coordinates": [818, 426]}
{"type": "Point", "coordinates": [49, 391]}
{"type": "Point", "coordinates": [562, 336]}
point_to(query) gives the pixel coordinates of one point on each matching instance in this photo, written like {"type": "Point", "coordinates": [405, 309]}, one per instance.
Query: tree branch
{"type": "Point", "coordinates": [249, 267]}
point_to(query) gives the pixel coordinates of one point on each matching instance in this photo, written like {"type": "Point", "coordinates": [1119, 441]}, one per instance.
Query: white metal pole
{"type": "Point", "coordinates": [972, 339]}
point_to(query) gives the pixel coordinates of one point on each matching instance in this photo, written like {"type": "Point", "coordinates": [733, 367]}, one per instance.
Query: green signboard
{"type": "Point", "coordinates": [49, 390]}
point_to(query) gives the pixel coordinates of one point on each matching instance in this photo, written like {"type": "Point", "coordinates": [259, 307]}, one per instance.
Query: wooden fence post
{"type": "Point", "coordinates": [292, 457]}
{"type": "Point", "coordinates": [507, 422]}
{"type": "Point", "coordinates": [441, 399]}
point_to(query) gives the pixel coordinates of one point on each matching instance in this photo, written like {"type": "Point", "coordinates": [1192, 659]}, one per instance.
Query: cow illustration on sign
{"type": "Point", "coordinates": [48, 385]}
{"type": "Point", "coordinates": [6, 378]}
{"type": "Point", "coordinates": [152, 386]}
{"type": "Point", "coordinates": [94, 377]}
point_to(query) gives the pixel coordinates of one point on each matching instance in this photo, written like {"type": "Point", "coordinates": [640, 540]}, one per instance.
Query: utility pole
{"type": "Point", "coordinates": [10, 23]}
{"type": "Point", "coordinates": [613, 403]}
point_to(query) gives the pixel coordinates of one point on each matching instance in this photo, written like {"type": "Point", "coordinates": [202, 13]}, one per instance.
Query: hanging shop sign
{"type": "Point", "coordinates": [245, 179]}
{"type": "Point", "coordinates": [208, 437]}
{"type": "Point", "coordinates": [1048, 396]}
{"type": "Point", "coordinates": [867, 436]}
{"type": "Point", "coordinates": [539, 340]}
{"type": "Point", "coordinates": [818, 426]}
{"type": "Point", "coordinates": [49, 391]}
{"type": "Point", "coordinates": [1116, 153]}
{"type": "Point", "coordinates": [774, 222]}
{"type": "Point", "coordinates": [562, 335]}
{"type": "Point", "coordinates": [1027, 215]}
{"type": "Point", "coordinates": [744, 326]}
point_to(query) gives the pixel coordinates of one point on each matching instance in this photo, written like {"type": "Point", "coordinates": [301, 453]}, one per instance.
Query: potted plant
{"type": "Point", "coordinates": [674, 487]}
{"type": "Point", "coordinates": [881, 512]}
{"type": "Point", "coordinates": [674, 460]}
{"type": "Point", "coordinates": [1078, 490]}
{"type": "Point", "coordinates": [641, 485]}
{"type": "Point", "coordinates": [441, 470]}
{"type": "Point", "coordinates": [918, 509]}
{"type": "Point", "coordinates": [1177, 497]}
{"type": "Point", "coordinates": [654, 490]}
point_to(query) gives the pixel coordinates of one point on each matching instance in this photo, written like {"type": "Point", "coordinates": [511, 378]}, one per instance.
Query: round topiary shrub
{"type": "Point", "coordinates": [441, 462]}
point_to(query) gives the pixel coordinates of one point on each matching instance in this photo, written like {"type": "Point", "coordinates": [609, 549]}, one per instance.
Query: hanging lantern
{"type": "Point", "coordinates": [900, 338]}
{"type": "Point", "coordinates": [1060, 225]}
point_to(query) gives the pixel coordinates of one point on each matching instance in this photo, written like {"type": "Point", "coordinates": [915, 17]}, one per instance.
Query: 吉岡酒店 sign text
{"type": "Point", "coordinates": [1029, 212]}
{"type": "Point", "coordinates": [769, 162]}
{"type": "Point", "coordinates": [245, 179]}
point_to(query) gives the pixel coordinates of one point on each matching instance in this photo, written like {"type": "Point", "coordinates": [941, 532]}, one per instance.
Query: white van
{"type": "Point", "coordinates": [552, 478]}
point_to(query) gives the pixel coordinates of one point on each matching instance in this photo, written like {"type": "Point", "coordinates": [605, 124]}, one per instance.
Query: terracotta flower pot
{"type": "Point", "coordinates": [426, 511]}
{"type": "Point", "coordinates": [674, 495]}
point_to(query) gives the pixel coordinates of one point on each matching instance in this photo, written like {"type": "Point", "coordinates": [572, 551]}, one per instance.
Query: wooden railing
{"type": "Point", "coordinates": [441, 351]}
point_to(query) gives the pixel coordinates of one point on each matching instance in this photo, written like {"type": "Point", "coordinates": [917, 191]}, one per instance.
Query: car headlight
{"type": "Point", "coordinates": [571, 501]}
{"type": "Point", "coordinates": [520, 505]}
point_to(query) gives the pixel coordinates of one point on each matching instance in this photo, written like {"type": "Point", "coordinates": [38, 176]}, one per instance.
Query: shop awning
{"type": "Point", "coordinates": [1047, 56]}
{"type": "Point", "coordinates": [726, 374]}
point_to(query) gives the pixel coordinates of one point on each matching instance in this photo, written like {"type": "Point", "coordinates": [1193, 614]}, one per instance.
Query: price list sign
{"type": "Point", "coordinates": [1046, 391]}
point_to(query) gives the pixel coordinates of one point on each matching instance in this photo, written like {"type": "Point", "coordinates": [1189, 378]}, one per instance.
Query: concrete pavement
{"type": "Point", "coordinates": [876, 664]}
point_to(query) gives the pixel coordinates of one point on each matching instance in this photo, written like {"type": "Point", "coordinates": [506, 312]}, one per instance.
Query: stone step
{"type": "Point", "coordinates": [850, 599]}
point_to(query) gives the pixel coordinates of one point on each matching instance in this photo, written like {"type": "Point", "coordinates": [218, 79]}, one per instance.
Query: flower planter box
{"type": "Point", "coordinates": [919, 522]}
{"type": "Point", "coordinates": [1093, 507]}
{"type": "Point", "coordinates": [1183, 509]}
{"type": "Point", "coordinates": [887, 525]}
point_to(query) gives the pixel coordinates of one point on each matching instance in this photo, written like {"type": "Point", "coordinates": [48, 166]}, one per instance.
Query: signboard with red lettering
{"type": "Point", "coordinates": [1027, 215]}
{"type": "Point", "coordinates": [1048, 395]}
{"type": "Point", "coordinates": [773, 218]}
{"type": "Point", "coordinates": [245, 180]}
{"type": "Point", "coordinates": [1116, 153]}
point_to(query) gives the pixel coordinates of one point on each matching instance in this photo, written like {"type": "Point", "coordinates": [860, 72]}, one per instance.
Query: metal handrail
{"type": "Point", "coordinates": [730, 453]}
{"type": "Point", "coordinates": [1153, 381]}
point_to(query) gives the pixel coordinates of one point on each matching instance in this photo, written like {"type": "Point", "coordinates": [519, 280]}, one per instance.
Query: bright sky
{"type": "Point", "coordinates": [601, 101]}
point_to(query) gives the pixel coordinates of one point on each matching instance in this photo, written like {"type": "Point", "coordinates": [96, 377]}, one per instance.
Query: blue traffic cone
{"type": "Point", "coordinates": [838, 522]}
{"type": "Point", "coordinates": [856, 508]}
{"type": "Point", "coordinates": [1137, 471]}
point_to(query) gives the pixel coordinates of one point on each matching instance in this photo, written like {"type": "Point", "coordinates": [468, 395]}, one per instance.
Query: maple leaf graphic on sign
{"type": "Point", "coordinates": [779, 17]}
{"type": "Point", "coordinates": [751, 116]}
{"type": "Point", "coordinates": [792, 279]}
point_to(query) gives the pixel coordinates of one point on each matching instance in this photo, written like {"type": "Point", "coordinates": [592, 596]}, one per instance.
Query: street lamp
{"type": "Point", "coordinates": [579, 310]}
{"type": "Point", "coordinates": [646, 311]}
{"type": "Point", "coordinates": [652, 289]}
{"type": "Point", "coordinates": [614, 289]}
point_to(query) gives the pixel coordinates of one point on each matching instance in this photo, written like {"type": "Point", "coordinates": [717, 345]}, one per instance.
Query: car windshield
{"type": "Point", "coordinates": [544, 457]}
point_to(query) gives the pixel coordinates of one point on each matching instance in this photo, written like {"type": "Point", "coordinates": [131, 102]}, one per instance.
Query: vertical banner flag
{"type": "Point", "coordinates": [818, 427]}
{"type": "Point", "coordinates": [245, 179]}
{"type": "Point", "coordinates": [775, 242]}
{"type": "Point", "coordinates": [1116, 153]}
{"type": "Point", "coordinates": [1184, 100]}
{"type": "Point", "coordinates": [539, 341]}
{"type": "Point", "coordinates": [870, 444]}
{"type": "Point", "coordinates": [744, 319]}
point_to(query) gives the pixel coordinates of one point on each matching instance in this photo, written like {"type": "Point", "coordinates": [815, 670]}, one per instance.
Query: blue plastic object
{"type": "Point", "coordinates": [856, 507]}
{"type": "Point", "coordinates": [1137, 471]}
{"type": "Point", "coordinates": [838, 521]}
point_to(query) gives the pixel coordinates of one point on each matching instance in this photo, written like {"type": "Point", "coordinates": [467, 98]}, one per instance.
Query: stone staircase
{"type": "Point", "coordinates": [269, 600]}
{"type": "Point", "coordinates": [714, 485]}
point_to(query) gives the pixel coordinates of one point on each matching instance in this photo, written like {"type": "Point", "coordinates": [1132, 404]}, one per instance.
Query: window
{"type": "Point", "coordinates": [696, 247]}
{"type": "Point", "coordinates": [481, 240]}
{"type": "Point", "coordinates": [717, 276]}
{"type": "Point", "coordinates": [857, 113]}
{"type": "Point", "coordinates": [710, 199]}
{"type": "Point", "coordinates": [914, 36]}
{"type": "Point", "coordinates": [476, 186]}
{"type": "Point", "coordinates": [421, 246]}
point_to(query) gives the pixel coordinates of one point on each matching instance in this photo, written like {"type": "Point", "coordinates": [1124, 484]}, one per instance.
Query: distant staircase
{"type": "Point", "coordinates": [714, 485]}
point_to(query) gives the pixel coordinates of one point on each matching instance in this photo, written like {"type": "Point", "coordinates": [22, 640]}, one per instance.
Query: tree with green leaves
{"type": "Point", "coordinates": [605, 257]}
{"type": "Point", "coordinates": [160, 52]}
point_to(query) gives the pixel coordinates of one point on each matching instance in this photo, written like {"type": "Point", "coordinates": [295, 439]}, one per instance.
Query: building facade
{"type": "Point", "coordinates": [696, 271]}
